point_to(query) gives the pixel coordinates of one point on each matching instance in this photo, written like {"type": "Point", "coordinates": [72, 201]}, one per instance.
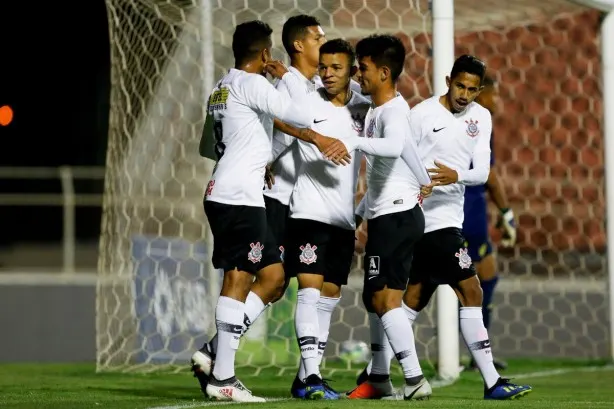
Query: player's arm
{"type": "Point", "coordinates": [310, 136]}
{"type": "Point", "coordinates": [481, 160]}
{"type": "Point", "coordinates": [396, 141]}
{"type": "Point", "coordinates": [360, 211]}
{"type": "Point", "coordinates": [263, 97]}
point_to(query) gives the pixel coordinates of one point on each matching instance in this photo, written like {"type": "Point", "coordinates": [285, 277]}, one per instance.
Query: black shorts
{"type": "Point", "coordinates": [441, 257]}
{"type": "Point", "coordinates": [317, 248]}
{"type": "Point", "coordinates": [390, 249]}
{"type": "Point", "coordinates": [241, 237]}
{"type": "Point", "coordinates": [277, 218]}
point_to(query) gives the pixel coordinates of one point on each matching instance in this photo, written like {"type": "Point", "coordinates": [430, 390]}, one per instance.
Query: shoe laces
{"type": "Point", "coordinates": [325, 382]}
{"type": "Point", "coordinates": [239, 385]}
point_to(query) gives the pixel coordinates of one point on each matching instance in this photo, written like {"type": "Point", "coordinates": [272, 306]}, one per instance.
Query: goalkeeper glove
{"type": "Point", "coordinates": [507, 225]}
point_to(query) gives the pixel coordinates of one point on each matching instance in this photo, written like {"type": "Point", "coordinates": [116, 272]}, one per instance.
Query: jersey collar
{"type": "Point", "coordinates": [310, 83]}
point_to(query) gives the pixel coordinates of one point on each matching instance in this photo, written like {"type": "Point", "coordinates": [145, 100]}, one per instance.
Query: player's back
{"type": "Point", "coordinates": [450, 139]}
{"type": "Point", "coordinates": [243, 139]}
{"type": "Point", "coordinates": [324, 191]}
{"type": "Point", "coordinates": [392, 186]}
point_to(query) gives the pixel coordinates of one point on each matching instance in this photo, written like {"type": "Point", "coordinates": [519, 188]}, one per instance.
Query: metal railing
{"type": "Point", "coordinates": [67, 199]}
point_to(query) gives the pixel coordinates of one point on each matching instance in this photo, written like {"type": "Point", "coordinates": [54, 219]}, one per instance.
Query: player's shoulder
{"type": "Point", "coordinates": [396, 109]}
{"type": "Point", "coordinates": [479, 112]}
{"type": "Point", "coordinates": [249, 81]}
{"type": "Point", "coordinates": [426, 106]}
{"type": "Point", "coordinates": [360, 101]}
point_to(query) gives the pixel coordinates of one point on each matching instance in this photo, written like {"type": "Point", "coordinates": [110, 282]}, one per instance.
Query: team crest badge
{"type": "Point", "coordinates": [282, 253]}
{"type": "Point", "coordinates": [358, 122]}
{"type": "Point", "coordinates": [371, 128]}
{"type": "Point", "coordinates": [255, 254]}
{"type": "Point", "coordinates": [464, 259]}
{"type": "Point", "coordinates": [308, 254]}
{"type": "Point", "coordinates": [472, 128]}
{"type": "Point", "coordinates": [209, 189]}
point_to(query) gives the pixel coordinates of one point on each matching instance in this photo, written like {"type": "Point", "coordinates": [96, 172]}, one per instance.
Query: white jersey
{"type": "Point", "coordinates": [394, 178]}
{"type": "Point", "coordinates": [242, 107]}
{"type": "Point", "coordinates": [286, 162]}
{"type": "Point", "coordinates": [325, 192]}
{"type": "Point", "coordinates": [454, 140]}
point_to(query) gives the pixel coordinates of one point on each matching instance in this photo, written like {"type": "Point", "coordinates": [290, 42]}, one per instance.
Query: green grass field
{"type": "Point", "coordinates": [556, 384]}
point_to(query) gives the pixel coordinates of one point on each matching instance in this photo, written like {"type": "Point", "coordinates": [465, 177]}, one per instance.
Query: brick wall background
{"type": "Point", "coordinates": [548, 137]}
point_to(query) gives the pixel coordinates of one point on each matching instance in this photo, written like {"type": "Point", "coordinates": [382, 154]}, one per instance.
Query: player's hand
{"type": "Point", "coordinates": [426, 190]}
{"type": "Point", "coordinates": [269, 178]}
{"type": "Point", "coordinates": [442, 175]}
{"type": "Point", "coordinates": [333, 149]}
{"type": "Point", "coordinates": [276, 68]}
{"type": "Point", "coordinates": [507, 225]}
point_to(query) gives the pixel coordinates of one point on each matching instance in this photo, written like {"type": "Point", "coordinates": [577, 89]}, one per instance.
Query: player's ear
{"type": "Point", "coordinates": [353, 70]}
{"type": "Point", "coordinates": [265, 55]}
{"type": "Point", "coordinates": [448, 81]}
{"type": "Point", "coordinates": [384, 73]}
{"type": "Point", "coordinates": [298, 46]}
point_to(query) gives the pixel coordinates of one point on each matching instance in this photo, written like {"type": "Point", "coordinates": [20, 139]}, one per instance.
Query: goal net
{"type": "Point", "coordinates": [157, 289]}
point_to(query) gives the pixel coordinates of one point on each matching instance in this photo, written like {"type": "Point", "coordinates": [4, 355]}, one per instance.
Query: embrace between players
{"type": "Point", "coordinates": [312, 128]}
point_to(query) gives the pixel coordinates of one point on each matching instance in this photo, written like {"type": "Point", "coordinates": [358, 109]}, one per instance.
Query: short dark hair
{"type": "Point", "coordinates": [295, 28]}
{"type": "Point", "coordinates": [339, 46]}
{"type": "Point", "coordinates": [249, 39]}
{"type": "Point", "coordinates": [471, 65]}
{"type": "Point", "coordinates": [384, 50]}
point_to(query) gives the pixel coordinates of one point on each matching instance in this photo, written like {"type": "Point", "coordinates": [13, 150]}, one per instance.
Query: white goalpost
{"type": "Point", "coordinates": [554, 64]}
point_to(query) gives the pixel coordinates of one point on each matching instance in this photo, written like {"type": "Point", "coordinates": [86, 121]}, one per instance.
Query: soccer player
{"type": "Point", "coordinates": [320, 231]}
{"type": "Point", "coordinates": [395, 174]}
{"type": "Point", "coordinates": [475, 224]}
{"type": "Point", "coordinates": [241, 111]}
{"type": "Point", "coordinates": [302, 37]}
{"type": "Point", "coordinates": [454, 132]}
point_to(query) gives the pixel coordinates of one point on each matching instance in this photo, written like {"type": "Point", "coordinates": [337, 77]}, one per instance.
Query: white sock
{"type": "Point", "coordinates": [253, 308]}
{"type": "Point", "coordinates": [476, 338]}
{"type": "Point", "coordinates": [229, 323]}
{"type": "Point", "coordinates": [307, 328]}
{"type": "Point", "coordinates": [412, 314]}
{"type": "Point", "coordinates": [381, 352]}
{"type": "Point", "coordinates": [401, 337]}
{"type": "Point", "coordinates": [326, 306]}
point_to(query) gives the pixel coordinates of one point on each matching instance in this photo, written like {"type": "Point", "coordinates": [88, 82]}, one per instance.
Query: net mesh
{"type": "Point", "coordinates": [157, 291]}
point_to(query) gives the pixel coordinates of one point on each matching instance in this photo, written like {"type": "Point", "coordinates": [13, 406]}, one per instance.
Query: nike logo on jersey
{"type": "Point", "coordinates": [437, 130]}
{"type": "Point", "coordinates": [315, 121]}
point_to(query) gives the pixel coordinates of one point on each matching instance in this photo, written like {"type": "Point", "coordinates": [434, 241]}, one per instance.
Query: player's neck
{"type": "Point", "coordinates": [445, 101]}
{"type": "Point", "coordinates": [383, 94]}
{"type": "Point", "coordinates": [308, 70]}
{"type": "Point", "coordinates": [342, 98]}
{"type": "Point", "coordinates": [251, 67]}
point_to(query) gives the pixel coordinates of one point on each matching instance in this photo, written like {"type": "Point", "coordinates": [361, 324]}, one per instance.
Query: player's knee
{"type": "Point", "coordinates": [386, 300]}
{"type": "Point", "coordinates": [470, 292]}
{"type": "Point", "coordinates": [331, 290]}
{"type": "Point", "coordinates": [270, 283]}
{"type": "Point", "coordinates": [237, 284]}
{"type": "Point", "coordinates": [411, 298]}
